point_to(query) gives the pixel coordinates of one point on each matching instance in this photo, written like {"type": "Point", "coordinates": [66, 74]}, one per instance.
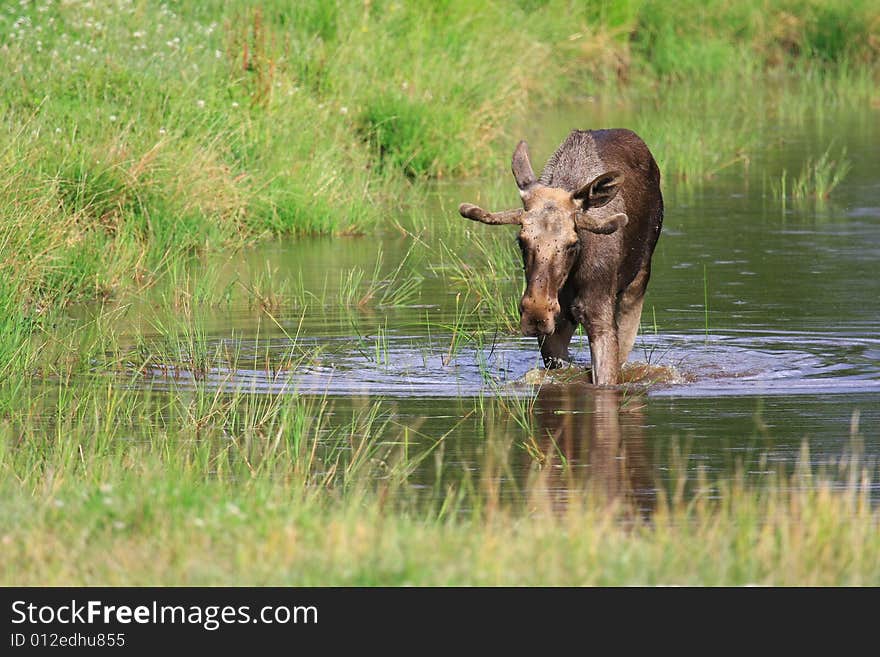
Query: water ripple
{"type": "Point", "coordinates": [403, 365]}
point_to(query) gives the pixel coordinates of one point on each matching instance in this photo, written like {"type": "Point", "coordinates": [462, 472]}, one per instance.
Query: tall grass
{"type": "Point", "coordinates": [167, 451]}
{"type": "Point", "coordinates": [135, 137]}
{"type": "Point", "coordinates": [255, 490]}
{"type": "Point", "coordinates": [819, 177]}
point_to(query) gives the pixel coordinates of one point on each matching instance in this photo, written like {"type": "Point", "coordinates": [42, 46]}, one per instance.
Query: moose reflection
{"type": "Point", "coordinates": [591, 441]}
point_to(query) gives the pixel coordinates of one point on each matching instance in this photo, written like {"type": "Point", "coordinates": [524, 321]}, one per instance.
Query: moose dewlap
{"type": "Point", "coordinates": [587, 230]}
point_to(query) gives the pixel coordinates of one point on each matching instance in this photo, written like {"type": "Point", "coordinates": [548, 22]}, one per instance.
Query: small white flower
{"type": "Point", "coordinates": [57, 131]}
{"type": "Point", "coordinates": [200, 104]}
{"type": "Point", "coordinates": [112, 118]}
{"type": "Point", "coordinates": [162, 131]}
{"type": "Point", "coordinates": [234, 104]}
{"type": "Point", "coordinates": [343, 110]}
{"type": "Point", "coordinates": [218, 54]}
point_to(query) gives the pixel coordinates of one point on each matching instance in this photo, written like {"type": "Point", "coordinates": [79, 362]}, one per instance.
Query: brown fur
{"type": "Point", "coordinates": [588, 228]}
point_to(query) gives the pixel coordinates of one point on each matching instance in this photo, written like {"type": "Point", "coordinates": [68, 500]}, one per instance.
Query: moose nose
{"type": "Point", "coordinates": [537, 307]}
{"type": "Point", "coordinates": [535, 326]}
{"type": "Point", "coordinates": [538, 317]}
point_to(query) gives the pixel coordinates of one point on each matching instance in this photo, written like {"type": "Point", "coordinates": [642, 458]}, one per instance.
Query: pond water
{"type": "Point", "coordinates": [787, 353]}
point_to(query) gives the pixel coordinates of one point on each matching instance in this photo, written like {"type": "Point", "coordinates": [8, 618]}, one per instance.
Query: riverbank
{"type": "Point", "coordinates": [136, 134]}
{"type": "Point", "coordinates": [148, 430]}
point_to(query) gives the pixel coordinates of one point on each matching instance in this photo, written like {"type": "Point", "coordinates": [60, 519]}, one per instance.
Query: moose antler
{"type": "Point", "coordinates": [475, 213]}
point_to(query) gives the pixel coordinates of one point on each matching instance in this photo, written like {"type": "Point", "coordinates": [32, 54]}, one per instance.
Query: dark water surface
{"type": "Point", "coordinates": [787, 355]}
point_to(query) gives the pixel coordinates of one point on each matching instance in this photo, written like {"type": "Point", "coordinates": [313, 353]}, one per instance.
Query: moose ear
{"type": "Point", "coordinates": [600, 191]}
{"type": "Point", "coordinates": [601, 225]}
{"type": "Point", "coordinates": [522, 167]}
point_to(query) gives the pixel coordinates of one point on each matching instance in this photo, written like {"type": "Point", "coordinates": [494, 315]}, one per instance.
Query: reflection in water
{"type": "Point", "coordinates": [592, 441]}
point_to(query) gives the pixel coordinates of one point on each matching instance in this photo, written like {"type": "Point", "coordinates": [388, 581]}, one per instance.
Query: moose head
{"type": "Point", "coordinates": [548, 237]}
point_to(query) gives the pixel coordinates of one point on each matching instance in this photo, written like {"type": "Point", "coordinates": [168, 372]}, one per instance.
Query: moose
{"type": "Point", "coordinates": [588, 228]}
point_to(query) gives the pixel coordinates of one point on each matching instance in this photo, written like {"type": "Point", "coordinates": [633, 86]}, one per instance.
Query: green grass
{"type": "Point", "coordinates": [140, 139]}
{"type": "Point", "coordinates": [135, 135]}
{"type": "Point", "coordinates": [147, 459]}
{"type": "Point", "coordinates": [240, 490]}
{"type": "Point", "coordinates": [819, 177]}
{"type": "Point", "coordinates": [706, 302]}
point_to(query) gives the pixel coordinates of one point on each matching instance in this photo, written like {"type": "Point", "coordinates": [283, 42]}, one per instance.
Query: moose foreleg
{"type": "Point", "coordinates": [601, 328]}
{"type": "Point", "coordinates": [605, 359]}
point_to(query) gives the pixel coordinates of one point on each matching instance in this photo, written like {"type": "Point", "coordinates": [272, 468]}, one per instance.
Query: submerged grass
{"type": "Point", "coordinates": [818, 178]}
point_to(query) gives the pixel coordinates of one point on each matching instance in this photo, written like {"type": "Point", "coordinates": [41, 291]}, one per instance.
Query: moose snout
{"type": "Point", "coordinates": [538, 316]}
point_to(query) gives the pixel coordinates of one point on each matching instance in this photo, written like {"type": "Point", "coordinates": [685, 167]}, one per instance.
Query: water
{"type": "Point", "coordinates": [786, 356]}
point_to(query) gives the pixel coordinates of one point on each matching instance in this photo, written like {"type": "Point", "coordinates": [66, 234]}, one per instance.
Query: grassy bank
{"type": "Point", "coordinates": [136, 133]}
{"type": "Point", "coordinates": [244, 493]}
{"type": "Point", "coordinates": [204, 535]}
{"type": "Point", "coordinates": [138, 137]}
